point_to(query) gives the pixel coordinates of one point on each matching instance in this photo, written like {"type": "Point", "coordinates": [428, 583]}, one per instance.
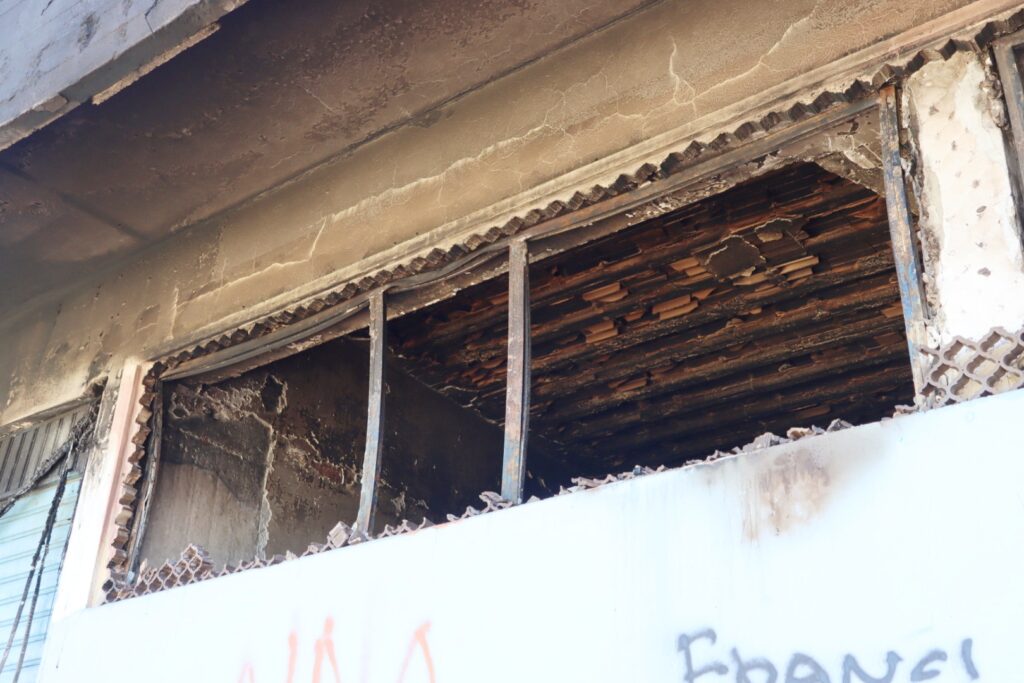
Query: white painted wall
{"type": "Point", "coordinates": [901, 537]}
{"type": "Point", "coordinates": [969, 226]}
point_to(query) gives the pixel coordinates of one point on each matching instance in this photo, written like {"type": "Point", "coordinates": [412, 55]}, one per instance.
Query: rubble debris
{"type": "Point", "coordinates": [585, 483]}
{"type": "Point", "coordinates": [492, 502]}
{"type": "Point", "coordinates": [404, 528]}
{"type": "Point", "coordinates": [900, 411]}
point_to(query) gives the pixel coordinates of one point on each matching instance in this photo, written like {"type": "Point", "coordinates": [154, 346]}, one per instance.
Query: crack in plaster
{"type": "Point", "coordinates": [319, 99]}
{"type": "Point", "coordinates": [178, 305]}
{"type": "Point", "coordinates": [762, 63]}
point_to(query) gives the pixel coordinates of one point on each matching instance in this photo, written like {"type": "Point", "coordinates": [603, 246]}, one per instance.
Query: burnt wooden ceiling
{"type": "Point", "coordinates": [772, 305]}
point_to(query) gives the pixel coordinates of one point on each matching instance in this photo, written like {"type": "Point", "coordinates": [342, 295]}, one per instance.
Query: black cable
{"type": "Point", "coordinates": [47, 536]}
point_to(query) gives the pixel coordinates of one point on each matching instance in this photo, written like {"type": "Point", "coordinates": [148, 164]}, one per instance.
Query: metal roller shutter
{"type": "Point", "coordinates": [20, 530]}
{"type": "Point", "coordinates": [22, 527]}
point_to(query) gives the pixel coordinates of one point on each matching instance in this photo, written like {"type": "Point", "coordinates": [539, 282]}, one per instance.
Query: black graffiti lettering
{"type": "Point", "coordinates": [967, 655]}
{"type": "Point", "coordinates": [921, 671]}
{"type": "Point", "coordinates": [685, 643]}
{"type": "Point", "coordinates": [816, 674]}
{"type": "Point", "coordinates": [744, 667]}
{"type": "Point", "coordinates": [851, 666]}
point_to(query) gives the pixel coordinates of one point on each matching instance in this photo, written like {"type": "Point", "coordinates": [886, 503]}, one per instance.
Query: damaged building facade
{"type": "Point", "coordinates": [647, 340]}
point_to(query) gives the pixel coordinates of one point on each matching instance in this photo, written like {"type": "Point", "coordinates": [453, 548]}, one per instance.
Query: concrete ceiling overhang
{"type": "Point", "coordinates": [57, 54]}
{"type": "Point", "coordinates": [279, 89]}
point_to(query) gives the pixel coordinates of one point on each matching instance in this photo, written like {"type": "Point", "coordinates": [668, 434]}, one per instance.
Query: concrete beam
{"type": "Point", "coordinates": [61, 53]}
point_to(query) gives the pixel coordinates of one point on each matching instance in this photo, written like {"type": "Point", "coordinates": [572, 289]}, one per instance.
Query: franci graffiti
{"type": "Point", "coordinates": [704, 662]}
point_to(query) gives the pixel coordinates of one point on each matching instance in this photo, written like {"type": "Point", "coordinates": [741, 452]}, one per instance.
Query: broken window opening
{"type": "Point", "coordinates": [765, 296]}
{"type": "Point", "coordinates": [269, 461]}
{"type": "Point", "coordinates": [774, 304]}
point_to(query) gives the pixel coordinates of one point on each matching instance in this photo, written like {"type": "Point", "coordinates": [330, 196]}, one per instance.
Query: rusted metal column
{"type": "Point", "coordinates": [901, 230]}
{"type": "Point", "coordinates": [517, 390]}
{"type": "Point", "coordinates": [374, 415]}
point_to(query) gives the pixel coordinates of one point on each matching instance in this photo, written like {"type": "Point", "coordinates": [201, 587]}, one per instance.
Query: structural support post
{"type": "Point", "coordinates": [517, 389]}
{"type": "Point", "coordinates": [374, 415]}
{"type": "Point", "coordinates": [904, 245]}
{"type": "Point", "coordinates": [1005, 50]}
{"type": "Point", "coordinates": [149, 481]}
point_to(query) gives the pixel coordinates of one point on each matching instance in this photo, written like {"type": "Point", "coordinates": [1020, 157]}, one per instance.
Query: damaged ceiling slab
{"type": "Point", "coordinates": [770, 305]}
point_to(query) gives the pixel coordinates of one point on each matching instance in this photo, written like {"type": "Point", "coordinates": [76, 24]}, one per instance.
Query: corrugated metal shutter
{"type": "Point", "coordinates": [23, 452]}
{"type": "Point", "coordinates": [20, 531]}
{"type": "Point", "coordinates": [21, 528]}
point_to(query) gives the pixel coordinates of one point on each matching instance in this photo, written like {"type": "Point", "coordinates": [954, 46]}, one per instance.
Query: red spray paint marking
{"type": "Point", "coordinates": [325, 648]}
{"type": "Point", "coordinates": [293, 653]}
{"type": "Point", "coordinates": [419, 638]}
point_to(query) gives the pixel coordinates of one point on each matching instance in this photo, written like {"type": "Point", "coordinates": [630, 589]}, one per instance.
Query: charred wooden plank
{"type": "Point", "coordinates": [871, 294]}
{"type": "Point", "coordinates": [549, 336]}
{"type": "Point", "coordinates": [712, 368]}
{"type": "Point", "coordinates": [760, 406]}
{"type": "Point", "coordinates": [548, 287]}
{"type": "Point", "coordinates": [612, 421]}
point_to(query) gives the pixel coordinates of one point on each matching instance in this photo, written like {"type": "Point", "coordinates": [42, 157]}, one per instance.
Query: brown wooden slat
{"type": "Point", "coordinates": [714, 367]}
{"type": "Point", "coordinates": [611, 421]}
{"type": "Point", "coordinates": [758, 407]}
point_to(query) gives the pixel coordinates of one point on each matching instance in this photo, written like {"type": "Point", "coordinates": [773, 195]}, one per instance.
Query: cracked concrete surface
{"type": "Point", "coordinates": [649, 78]}
{"type": "Point", "coordinates": [974, 266]}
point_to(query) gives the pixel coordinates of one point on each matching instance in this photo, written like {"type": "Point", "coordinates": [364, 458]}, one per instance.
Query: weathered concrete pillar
{"type": "Point", "coordinates": [90, 545]}
{"type": "Point", "coordinates": [969, 228]}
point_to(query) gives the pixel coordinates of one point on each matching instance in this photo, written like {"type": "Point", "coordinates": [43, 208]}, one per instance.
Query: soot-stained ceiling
{"type": "Point", "coordinates": [278, 89]}
{"type": "Point", "coordinates": [772, 305]}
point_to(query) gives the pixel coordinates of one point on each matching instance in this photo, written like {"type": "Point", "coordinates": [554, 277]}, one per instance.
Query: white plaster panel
{"type": "Point", "coordinates": [891, 542]}
{"type": "Point", "coordinates": [969, 224]}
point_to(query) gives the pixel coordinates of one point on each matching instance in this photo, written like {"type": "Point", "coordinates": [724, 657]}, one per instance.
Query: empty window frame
{"type": "Point", "coordinates": [788, 299]}
{"type": "Point", "coordinates": [267, 460]}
